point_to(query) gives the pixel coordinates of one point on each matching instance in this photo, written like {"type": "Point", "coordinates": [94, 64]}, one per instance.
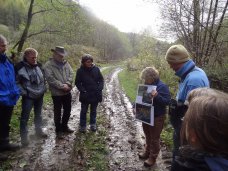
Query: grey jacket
{"type": "Point", "coordinates": [30, 80]}
{"type": "Point", "coordinates": [57, 75]}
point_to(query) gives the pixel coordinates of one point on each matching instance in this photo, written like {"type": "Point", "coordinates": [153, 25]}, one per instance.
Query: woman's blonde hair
{"type": "Point", "coordinates": [207, 117]}
{"type": "Point", "coordinates": [149, 73]}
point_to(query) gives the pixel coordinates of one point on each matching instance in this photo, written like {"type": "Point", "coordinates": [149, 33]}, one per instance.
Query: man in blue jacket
{"type": "Point", "coordinates": [191, 77]}
{"type": "Point", "coordinates": [9, 94]}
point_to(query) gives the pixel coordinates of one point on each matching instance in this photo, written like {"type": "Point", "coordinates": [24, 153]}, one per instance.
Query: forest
{"type": "Point", "coordinates": [200, 25]}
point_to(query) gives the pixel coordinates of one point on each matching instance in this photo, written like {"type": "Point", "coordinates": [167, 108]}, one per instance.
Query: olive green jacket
{"type": "Point", "coordinates": [57, 75]}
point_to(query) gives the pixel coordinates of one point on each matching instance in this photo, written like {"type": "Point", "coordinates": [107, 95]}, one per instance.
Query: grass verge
{"type": "Point", "coordinates": [90, 149]}
{"type": "Point", "coordinates": [129, 82]}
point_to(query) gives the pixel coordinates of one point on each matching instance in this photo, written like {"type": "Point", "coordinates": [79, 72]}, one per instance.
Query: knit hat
{"type": "Point", "coordinates": [177, 54]}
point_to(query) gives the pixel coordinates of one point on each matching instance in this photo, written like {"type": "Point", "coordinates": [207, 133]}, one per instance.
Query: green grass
{"type": "Point", "coordinates": [167, 134]}
{"type": "Point", "coordinates": [129, 82]}
{"type": "Point", "coordinates": [92, 146]}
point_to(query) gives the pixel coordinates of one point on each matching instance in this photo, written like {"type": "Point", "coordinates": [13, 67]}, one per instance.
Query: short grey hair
{"type": "Point", "coordinates": [30, 50]}
{"type": "Point", "coordinates": [3, 39]}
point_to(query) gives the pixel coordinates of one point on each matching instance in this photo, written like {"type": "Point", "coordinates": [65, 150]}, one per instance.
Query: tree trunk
{"type": "Point", "coordinates": [195, 45]}
{"type": "Point", "coordinates": [25, 32]}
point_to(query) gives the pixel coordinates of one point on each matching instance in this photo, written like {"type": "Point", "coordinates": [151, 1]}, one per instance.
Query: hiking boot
{"type": "Point", "coordinates": [93, 128]}
{"type": "Point", "coordinates": [82, 129]}
{"type": "Point", "coordinates": [41, 134]}
{"type": "Point", "coordinates": [143, 155]}
{"type": "Point", "coordinates": [149, 162]}
{"type": "Point", "coordinates": [24, 142]}
{"type": "Point", "coordinates": [3, 157]}
{"type": "Point", "coordinates": [59, 135]}
{"type": "Point", "coordinates": [9, 147]}
{"type": "Point", "coordinates": [67, 130]}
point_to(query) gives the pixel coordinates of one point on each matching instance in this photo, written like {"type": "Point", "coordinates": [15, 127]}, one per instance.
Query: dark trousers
{"type": "Point", "coordinates": [5, 117]}
{"type": "Point", "coordinates": [93, 113]}
{"type": "Point", "coordinates": [176, 123]}
{"type": "Point", "coordinates": [61, 120]}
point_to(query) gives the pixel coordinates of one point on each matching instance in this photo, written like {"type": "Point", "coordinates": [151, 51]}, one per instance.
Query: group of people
{"type": "Point", "coordinates": [198, 115]}
{"type": "Point", "coordinates": [29, 79]}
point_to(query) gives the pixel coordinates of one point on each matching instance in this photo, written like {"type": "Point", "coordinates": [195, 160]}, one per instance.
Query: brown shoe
{"type": "Point", "coordinates": [3, 157]}
{"type": "Point", "coordinates": [143, 155]}
{"type": "Point", "coordinates": [149, 162]}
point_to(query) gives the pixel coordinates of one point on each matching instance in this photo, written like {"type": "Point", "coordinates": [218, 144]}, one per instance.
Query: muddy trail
{"type": "Point", "coordinates": [125, 137]}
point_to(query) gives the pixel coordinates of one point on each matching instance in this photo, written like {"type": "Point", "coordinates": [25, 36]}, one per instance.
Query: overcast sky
{"type": "Point", "coordinates": [127, 15]}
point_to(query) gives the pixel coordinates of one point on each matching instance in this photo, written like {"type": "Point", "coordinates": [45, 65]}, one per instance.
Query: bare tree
{"type": "Point", "coordinates": [30, 15]}
{"type": "Point", "coordinates": [197, 24]}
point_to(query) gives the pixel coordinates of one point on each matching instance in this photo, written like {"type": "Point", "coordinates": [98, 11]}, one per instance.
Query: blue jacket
{"type": "Point", "coordinates": [162, 99]}
{"type": "Point", "coordinates": [191, 77]}
{"type": "Point", "coordinates": [9, 92]}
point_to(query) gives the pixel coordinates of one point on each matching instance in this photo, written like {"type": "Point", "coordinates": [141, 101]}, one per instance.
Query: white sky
{"type": "Point", "coordinates": [127, 15]}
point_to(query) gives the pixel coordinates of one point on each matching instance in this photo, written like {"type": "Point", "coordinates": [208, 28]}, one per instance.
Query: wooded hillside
{"type": "Point", "coordinates": [200, 25]}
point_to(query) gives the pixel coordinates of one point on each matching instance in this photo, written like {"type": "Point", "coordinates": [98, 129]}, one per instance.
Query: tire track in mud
{"type": "Point", "coordinates": [125, 135]}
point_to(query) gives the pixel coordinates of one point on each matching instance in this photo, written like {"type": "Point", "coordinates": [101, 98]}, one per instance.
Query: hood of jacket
{"type": "Point", "coordinates": [217, 163]}
{"type": "Point", "coordinates": [185, 69]}
{"type": "Point", "coordinates": [87, 68]}
{"type": "Point", "coordinates": [3, 57]}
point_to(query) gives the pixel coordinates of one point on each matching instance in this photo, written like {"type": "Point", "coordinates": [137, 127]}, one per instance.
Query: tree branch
{"type": "Point", "coordinates": [41, 11]}
{"type": "Point", "coordinates": [43, 31]}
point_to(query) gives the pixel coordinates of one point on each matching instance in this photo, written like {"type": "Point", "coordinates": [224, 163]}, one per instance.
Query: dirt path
{"type": "Point", "coordinates": [126, 136]}
{"type": "Point", "coordinates": [124, 141]}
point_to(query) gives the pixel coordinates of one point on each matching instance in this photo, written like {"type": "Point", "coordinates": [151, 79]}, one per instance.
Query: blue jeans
{"type": "Point", "coordinates": [27, 105]}
{"type": "Point", "coordinates": [93, 113]}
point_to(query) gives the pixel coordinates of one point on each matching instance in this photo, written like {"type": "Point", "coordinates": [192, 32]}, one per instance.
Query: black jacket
{"type": "Point", "coordinates": [191, 159]}
{"type": "Point", "coordinates": [90, 83]}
